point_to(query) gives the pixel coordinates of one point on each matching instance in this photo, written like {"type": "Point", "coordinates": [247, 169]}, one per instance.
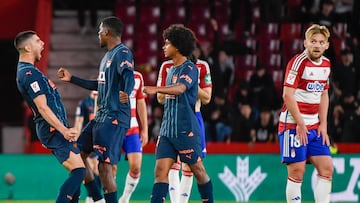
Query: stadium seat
{"type": "Point", "coordinates": [246, 62]}
{"type": "Point", "coordinates": [290, 48]}
{"type": "Point", "coordinates": [268, 31]}
{"type": "Point", "coordinates": [290, 31]}
{"type": "Point", "coordinates": [341, 30]}
{"type": "Point", "coordinates": [127, 12]}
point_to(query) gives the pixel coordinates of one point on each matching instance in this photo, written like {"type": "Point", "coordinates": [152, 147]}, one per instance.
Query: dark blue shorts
{"type": "Point", "coordinates": [55, 141]}
{"type": "Point", "coordinates": [187, 147]}
{"type": "Point", "coordinates": [108, 140]}
{"type": "Point", "coordinates": [85, 140]}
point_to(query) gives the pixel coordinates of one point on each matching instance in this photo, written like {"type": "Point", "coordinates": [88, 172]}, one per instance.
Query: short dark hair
{"type": "Point", "coordinates": [21, 37]}
{"type": "Point", "coordinates": [114, 24]}
{"type": "Point", "coordinates": [181, 37]}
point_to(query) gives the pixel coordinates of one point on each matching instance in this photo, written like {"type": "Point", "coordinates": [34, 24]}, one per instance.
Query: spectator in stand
{"type": "Point", "coordinates": [217, 119]}
{"type": "Point", "coordinates": [326, 16]}
{"type": "Point", "coordinates": [242, 94]}
{"type": "Point", "coordinates": [270, 11]}
{"type": "Point", "coordinates": [352, 127]}
{"type": "Point", "coordinates": [344, 77]}
{"type": "Point", "coordinates": [264, 128]}
{"type": "Point", "coordinates": [262, 90]}
{"type": "Point", "coordinates": [156, 118]}
{"type": "Point", "coordinates": [235, 15]}
{"type": "Point", "coordinates": [82, 6]}
{"type": "Point", "coordinates": [243, 122]}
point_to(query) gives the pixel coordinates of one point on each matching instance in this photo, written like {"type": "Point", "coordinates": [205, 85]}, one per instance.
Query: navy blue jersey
{"type": "Point", "coordinates": [85, 109]}
{"type": "Point", "coordinates": [115, 75]}
{"type": "Point", "coordinates": [179, 110]}
{"type": "Point", "coordinates": [32, 83]}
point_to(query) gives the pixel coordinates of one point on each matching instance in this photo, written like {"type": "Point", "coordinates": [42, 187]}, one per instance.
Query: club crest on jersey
{"type": "Point", "coordinates": [108, 64]}
{"type": "Point", "coordinates": [315, 86]}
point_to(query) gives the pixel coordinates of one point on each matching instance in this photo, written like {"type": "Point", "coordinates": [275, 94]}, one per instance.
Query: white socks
{"type": "Point", "coordinates": [179, 191]}
{"type": "Point", "coordinates": [322, 190]}
{"type": "Point", "coordinates": [293, 191]}
{"type": "Point", "coordinates": [174, 183]}
{"type": "Point", "coordinates": [130, 185]}
{"type": "Point", "coordinates": [185, 186]}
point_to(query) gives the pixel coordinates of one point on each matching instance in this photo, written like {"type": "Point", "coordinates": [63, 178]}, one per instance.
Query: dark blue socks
{"type": "Point", "coordinates": [206, 192]}
{"type": "Point", "coordinates": [159, 192]}
{"type": "Point", "coordinates": [71, 185]}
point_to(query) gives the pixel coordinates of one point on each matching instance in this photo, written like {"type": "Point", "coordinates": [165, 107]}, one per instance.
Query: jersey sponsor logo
{"type": "Point", "coordinates": [186, 151]}
{"type": "Point", "coordinates": [187, 78]}
{"type": "Point", "coordinates": [315, 86]}
{"type": "Point", "coordinates": [101, 78]}
{"type": "Point", "coordinates": [291, 77]}
{"type": "Point", "coordinates": [35, 86]}
{"type": "Point", "coordinates": [168, 96]}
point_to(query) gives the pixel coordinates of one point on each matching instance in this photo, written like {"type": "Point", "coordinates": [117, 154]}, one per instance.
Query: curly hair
{"type": "Point", "coordinates": [181, 37]}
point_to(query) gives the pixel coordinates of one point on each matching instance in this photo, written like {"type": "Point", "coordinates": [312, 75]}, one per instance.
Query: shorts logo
{"type": "Point", "coordinates": [188, 156]}
{"type": "Point", "coordinates": [191, 134]}
{"type": "Point", "coordinates": [115, 122]}
{"type": "Point", "coordinates": [35, 86]}
{"type": "Point", "coordinates": [293, 154]}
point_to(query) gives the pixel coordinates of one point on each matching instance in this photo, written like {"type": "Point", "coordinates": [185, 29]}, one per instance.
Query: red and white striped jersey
{"type": "Point", "coordinates": [136, 94]}
{"type": "Point", "coordinates": [309, 79]}
{"type": "Point", "coordinates": [204, 73]}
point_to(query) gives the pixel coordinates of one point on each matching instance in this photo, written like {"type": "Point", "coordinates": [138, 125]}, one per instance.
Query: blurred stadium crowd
{"type": "Point", "coordinates": [247, 44]}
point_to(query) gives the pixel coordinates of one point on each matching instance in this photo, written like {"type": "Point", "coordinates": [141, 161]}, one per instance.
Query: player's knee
{"type": "Point", "coordinates": [135, 171]}
{"type": "Point", "coordinates": [80, 172]}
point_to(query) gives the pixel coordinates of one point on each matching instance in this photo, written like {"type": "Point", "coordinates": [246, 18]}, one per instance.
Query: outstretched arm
{"type": "Point", "coordinates": [175, 89]}
{"type": "Point", "coordinates": [66, 76]}
{"type": "Point", "coordinates": [41, 103]}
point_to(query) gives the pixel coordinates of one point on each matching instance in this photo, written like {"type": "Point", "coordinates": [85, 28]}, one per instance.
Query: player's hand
{"type": "Point", "coordinates": [302, 134]}
{"type": "Point", "coordinates": [150, 90]}
{"type": "Point", "coordinates": [124, 97]}
{"type": "Point", "coordinates": [144, 138]}
{"type": "Point", "coordinates": [322, 131]}
{"type": "Point", "coordinates": [64, 74]}
{"type": "Point", "coordinates": [71, 134]}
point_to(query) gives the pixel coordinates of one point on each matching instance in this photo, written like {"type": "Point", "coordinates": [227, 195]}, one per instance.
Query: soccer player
{"type": "Point", "coordinates": [136, 137]}
{"type": "Point", "coordinates": [179, 190]}
{"type": "Point", "coordinates": [303, 120]}
{"type": "Point", "coordinates": [180, 132]}
{"type": "Point", "coordinates": [52, 127]}
{"type": "Point", "coordinates": [85, 113]}
{"type": "Point", "coordinates": [112, 120]}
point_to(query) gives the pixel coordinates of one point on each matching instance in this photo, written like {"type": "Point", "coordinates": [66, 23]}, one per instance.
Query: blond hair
{"type": "Point", "coordinates": [317, 29]}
